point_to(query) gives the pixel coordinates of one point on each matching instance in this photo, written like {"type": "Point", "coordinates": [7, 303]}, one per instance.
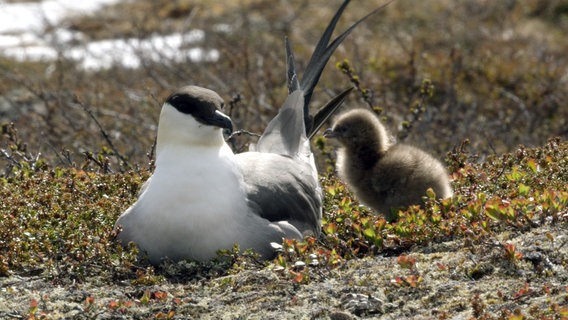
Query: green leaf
{"type": "Point", "coordinates": [531, 163]}
{"type": "Point", "coordinates": [523, 190]}
{"type": "Point", "coordinates": [369, 233]}
{"type": "Point", "coordinates": [515, 175]}
{"type": "Point", "coordinates": [330, 228]}
{"type": "Point", "coordinates": [430, 193]}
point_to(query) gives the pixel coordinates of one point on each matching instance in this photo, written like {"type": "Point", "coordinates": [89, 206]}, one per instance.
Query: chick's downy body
{"type": "Point", "coordinates": [383, 175]}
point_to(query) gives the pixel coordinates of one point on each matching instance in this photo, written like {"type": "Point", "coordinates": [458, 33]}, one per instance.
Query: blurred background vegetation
{"type": "Point", "coordinates": [499, 71]}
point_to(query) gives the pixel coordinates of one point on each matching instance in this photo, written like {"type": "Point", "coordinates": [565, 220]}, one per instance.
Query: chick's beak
{"type": "Point", "coordinates": [329, 133]}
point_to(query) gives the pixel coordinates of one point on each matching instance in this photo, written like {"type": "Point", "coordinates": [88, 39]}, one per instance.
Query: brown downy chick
{"type": "Point", "coordinates": [383, 175]}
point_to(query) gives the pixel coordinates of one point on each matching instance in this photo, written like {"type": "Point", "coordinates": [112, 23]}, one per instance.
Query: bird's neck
{"type": "Point", "coordinates": [172, 156]}
{"type": "Point", "coordinates": [189, 143]}
{"type": "Point", "coordinates": [353, 164]}
{"type": "Point", "coordinates": [365, 152]}
{"type": "Point", "coordinates": [364, 155]}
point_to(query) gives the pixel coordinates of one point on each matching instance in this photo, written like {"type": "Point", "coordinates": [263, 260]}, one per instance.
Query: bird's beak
{"type": "Point", "coordinates": [329, 133]}
{"type": "Point", "coordinates": [221, 120]}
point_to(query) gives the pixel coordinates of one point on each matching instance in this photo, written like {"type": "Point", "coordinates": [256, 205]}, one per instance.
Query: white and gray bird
{"type": "Point", "coordinates": [202, 197]}
{"type": "Point", "coordinates": [383, 175]}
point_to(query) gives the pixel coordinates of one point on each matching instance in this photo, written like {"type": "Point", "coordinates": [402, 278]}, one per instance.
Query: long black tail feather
{"type": "Point", "coordinates": [326, 111]}
{"type": "Point", "coordinates": [318, 61]}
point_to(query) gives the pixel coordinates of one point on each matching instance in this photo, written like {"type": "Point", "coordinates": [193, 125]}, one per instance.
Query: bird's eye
{"type": "Point", "coordinates": [222, 105]}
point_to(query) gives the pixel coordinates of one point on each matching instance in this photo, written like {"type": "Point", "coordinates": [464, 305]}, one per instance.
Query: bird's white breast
{"type": "Point", "coordinates": [192, 205]}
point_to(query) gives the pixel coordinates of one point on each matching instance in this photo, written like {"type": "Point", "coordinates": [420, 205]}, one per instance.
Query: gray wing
{"type": "Point", "coordinates": [281, 188]}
